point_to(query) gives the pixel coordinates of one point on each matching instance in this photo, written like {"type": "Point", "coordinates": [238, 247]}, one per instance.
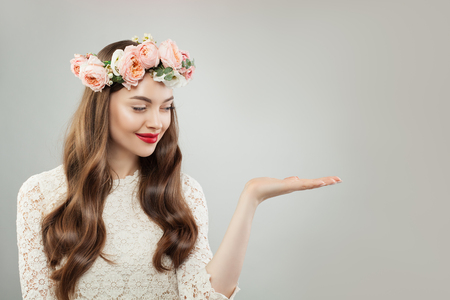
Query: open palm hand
{"type": "Point", "coordinates": [263, 188]}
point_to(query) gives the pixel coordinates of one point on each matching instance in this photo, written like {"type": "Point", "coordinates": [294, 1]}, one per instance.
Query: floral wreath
{"type": "Point", "coordinates": [166, 63]}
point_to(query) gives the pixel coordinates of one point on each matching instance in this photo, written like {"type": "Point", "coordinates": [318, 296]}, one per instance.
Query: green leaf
{"type": "Point", "coordinates": [189, 63]}
{"type": "Point", "coordinates": [107, 62]}
{"type": "Point", "coordinates": [118, 79]}
{"type": "Point", "coordinates": [182, 64]}
{"type": "Point", "coordinates": [168, 70]}
{"type": "Point", "coordinates": [159, 73]}
{"type": "Point", "coordinates": [168, 77]}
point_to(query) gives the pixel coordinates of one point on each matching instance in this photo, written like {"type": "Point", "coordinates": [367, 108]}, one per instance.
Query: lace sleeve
{"type": "Point", "coordinates": [34, 275]}
{"type": "Point", "coordinates": [193, 280]}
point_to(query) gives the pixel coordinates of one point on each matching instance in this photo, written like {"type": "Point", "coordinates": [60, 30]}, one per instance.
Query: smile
{"type": "Point", "coordinates": [148, 138]}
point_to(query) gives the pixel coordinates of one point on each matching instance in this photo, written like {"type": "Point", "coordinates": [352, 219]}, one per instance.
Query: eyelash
{"type": "Point", "coordinates": [142, 108]}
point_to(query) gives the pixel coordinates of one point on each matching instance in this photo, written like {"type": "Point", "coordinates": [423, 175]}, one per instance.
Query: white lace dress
{"type": "Point", "coordinates": [131, 242]}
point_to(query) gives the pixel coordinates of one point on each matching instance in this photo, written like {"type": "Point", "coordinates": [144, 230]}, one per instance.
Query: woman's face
{"type": "Point", "coordinates": [144, 109]}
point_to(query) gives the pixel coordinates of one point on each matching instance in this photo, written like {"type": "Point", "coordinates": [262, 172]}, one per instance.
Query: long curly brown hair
{"type": "Point", "coordinates": [75, 229]}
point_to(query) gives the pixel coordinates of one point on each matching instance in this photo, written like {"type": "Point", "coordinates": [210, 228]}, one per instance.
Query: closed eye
{"type": "Point", "coordinates": [142, 108]}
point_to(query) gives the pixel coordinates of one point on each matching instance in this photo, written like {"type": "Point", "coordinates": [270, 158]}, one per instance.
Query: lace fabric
{"type": "Point", "coordinates": [131, 240]}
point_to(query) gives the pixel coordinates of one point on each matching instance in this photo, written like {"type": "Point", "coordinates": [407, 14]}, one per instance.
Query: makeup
{"type": "Point", "coordinates": [148, 137]}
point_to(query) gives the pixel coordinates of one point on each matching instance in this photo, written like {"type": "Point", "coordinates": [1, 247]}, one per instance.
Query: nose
{"type": "Point", "coordinates": [154, 120]}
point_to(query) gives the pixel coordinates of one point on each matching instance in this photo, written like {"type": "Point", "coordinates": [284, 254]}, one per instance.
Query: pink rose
{"type": "Point", "coordinates": [185, 55]}
{"type": "Point", "coordinates": [189, 72]}
{"type": "Point", "coordinates": [170, 55]}
{"type": "Point", "coordinates": [130, 67]}
{"type": "Point", "coordinates": [93, 74]}
{"type": "Point", "coordinates": [148, 54]}
{"type": "Point", "coordinates": [76, 62]}
{"type": "Point", "coordinates": [93, 60]}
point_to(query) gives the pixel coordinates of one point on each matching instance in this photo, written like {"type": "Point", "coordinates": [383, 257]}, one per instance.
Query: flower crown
{"type": "Point", "coordinates": [167, 64]}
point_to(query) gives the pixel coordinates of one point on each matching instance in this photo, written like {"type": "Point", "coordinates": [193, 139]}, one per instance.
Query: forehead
{"type": "Point", "coordinates": [158, 92]}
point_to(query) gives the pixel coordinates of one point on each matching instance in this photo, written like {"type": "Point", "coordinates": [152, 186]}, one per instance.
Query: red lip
{"type": "Point", "coordinates": [148, 135]}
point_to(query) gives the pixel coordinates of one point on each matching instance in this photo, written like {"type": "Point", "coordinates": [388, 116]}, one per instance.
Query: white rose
{"type": "Point", "coordinates": [178, 80]}
{"type": "Point", "coordinates": [115, 61]}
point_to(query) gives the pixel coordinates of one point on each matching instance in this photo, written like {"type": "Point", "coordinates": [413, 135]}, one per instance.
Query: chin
{"type": "Point", "coordinates": [146, 153]}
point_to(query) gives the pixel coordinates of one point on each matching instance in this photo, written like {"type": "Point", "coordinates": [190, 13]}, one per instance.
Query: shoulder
{"type": "Point", "coordinates": [44, 186]}
{"type": "Point", "coordinates": [193, 192]}
{"type": "Point", "coordinates": [41, 178]}
{"type": "Point", "coordinates": [189, 183]}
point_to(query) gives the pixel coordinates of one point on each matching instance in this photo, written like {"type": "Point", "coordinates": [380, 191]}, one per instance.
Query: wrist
{"type": "Point", "coordinates": [249, 199]}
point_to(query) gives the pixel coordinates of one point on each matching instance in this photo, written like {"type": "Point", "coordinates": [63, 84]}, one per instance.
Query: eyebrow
{"type": "Point", "coordinates": [149, 100]}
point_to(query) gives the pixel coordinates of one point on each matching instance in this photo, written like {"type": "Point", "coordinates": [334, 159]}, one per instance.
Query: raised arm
{"type": "Point", "coordinates": [194, 282]}
{"type": "Point", "coordinates": [226, 265]}
{"type": "Point", "coordinates": [34, 274]}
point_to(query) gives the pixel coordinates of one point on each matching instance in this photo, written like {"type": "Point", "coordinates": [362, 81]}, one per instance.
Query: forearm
{"type": "Point", "coordinates": [226, 265]}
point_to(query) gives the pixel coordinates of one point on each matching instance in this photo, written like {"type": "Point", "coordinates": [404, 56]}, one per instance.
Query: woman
{"type": "Point", "coordinates": [118, 219]}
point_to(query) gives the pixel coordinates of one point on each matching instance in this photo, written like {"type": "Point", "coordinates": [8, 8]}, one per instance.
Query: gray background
{"type": "Point", "coordinates": [355, 89]}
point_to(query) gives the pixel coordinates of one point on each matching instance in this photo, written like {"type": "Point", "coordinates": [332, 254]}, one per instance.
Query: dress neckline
{"type": "Point", "coordinates": [128, 178]}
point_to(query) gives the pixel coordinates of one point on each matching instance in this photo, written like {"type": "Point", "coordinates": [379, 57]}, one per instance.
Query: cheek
{"type": "Point", "coordinates": [121, 120]}
{"type": "Point", "coordinates": [127, 120]}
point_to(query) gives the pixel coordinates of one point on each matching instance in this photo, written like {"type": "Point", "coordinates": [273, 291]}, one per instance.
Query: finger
{"type": "Point", "coordinates": [327, 180]}
{"type": "Point", "coordinates": [296, 184]}
{"type": "Point", "coordinates": [331, 180]}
